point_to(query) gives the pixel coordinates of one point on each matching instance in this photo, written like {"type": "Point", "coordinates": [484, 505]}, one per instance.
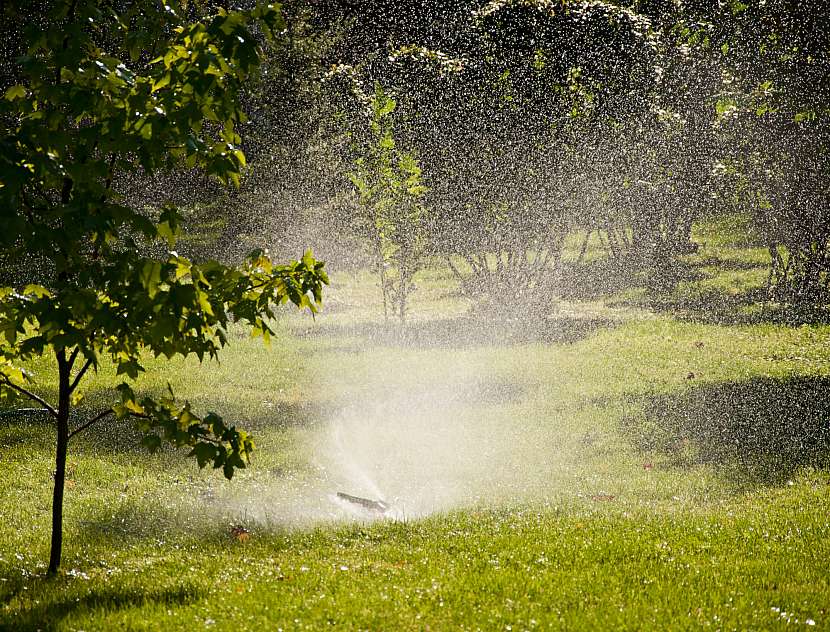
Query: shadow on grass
{"type": "Point", "coordinates": [658, 288]}
{"type": "Point", "coordinates": [749, 307]}
{"type": "Point", "coordinates": [50, 601]}
{"type": "Point", "coordinates": [606, 277]}
{"type": "Point", "coordinates": [461, 332]}
{"type": "Point", "coordinates": [755, 432]}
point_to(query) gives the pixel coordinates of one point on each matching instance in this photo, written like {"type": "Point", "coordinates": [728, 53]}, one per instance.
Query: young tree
{"type": "Point", "coordinates": [102, 90]}
{"type": "Point", "coordinates": [388, 183]}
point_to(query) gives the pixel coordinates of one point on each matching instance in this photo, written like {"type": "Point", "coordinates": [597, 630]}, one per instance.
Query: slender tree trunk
{"type": "Point", "coordinates": [584, 249]}
{"type": "Point", "coordinates": [64, 369]}
{"type": "Point", "coordinates": [402, 292]}
{"type": "Point", "coordinates": [385, 291]}
{"type": "Point", "coordinates": [383, 283]}
{"type": "Point", "coordinates": [455, 271]}
{"type": "Point", "coordinates": [612, 242]}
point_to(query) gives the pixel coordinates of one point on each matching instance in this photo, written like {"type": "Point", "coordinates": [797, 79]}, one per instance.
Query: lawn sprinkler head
{"type": "Point", "coordinates": [376, 506]}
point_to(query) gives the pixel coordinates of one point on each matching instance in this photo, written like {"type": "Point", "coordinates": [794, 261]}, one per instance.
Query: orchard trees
{"type": "Point", "coordinates": [543, 86]}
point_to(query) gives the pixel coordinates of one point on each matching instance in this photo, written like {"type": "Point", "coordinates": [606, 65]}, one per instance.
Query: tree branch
{"type": "Point", "coordinates": [110, 172]}
{"type": "Point", "coordinates": [31, 396]}
{"type": "Point", "coordinates": [97, 417]}
{"type": "Point", "coordinates": [80, 375]}
{"type": "Point", "coordinates": [73, 356]}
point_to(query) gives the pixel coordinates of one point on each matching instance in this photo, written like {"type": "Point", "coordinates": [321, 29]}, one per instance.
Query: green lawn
{"type": "Point", "coordinates": [631, 462]}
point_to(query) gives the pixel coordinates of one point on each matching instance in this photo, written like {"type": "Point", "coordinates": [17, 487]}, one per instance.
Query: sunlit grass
{"type": "Point", "coordinates": [611, 466]}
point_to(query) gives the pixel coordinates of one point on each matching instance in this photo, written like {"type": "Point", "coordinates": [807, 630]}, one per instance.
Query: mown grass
{"type": "Point", "coordinates": [626, 463]}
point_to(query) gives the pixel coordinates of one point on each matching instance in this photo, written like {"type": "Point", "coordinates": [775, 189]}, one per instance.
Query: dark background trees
{"type": "Point", "coordinates": [540, 118]}
{"type": "Point", "coordinates": [534, 120]}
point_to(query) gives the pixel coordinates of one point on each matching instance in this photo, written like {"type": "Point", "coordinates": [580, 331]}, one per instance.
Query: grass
{"type": "Point", "coordinates": [623, 464]}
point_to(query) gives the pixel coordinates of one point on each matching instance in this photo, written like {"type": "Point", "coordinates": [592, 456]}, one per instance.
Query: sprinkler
{"type": "Point", "coordinates": [377, 506]}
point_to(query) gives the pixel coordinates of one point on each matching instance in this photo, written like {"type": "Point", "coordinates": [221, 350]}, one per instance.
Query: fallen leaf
{"type": "Point", "coordinates": [240, 533]}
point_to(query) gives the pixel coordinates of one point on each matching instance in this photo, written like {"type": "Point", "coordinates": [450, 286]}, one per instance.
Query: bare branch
{"type": "Point", "coordinates": [80, 375]}
{"type": "Point", "coordinates": [97, 418]}
{"type": "Point", "coordinates": [30, 395]}
{"type": "Point", "coordinates": [73, 356]}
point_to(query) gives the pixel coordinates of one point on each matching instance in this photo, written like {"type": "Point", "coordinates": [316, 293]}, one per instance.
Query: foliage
{"type": "Point", "coordinates": [534, 119]}
{"type": "Point", "coordinates": [539, 87]}
{"type": "Point", "coordinates": [104, 92]}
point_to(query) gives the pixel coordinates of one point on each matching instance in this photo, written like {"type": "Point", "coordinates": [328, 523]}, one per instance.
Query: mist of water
{"type": "Point", "coordinates": [419, 448]}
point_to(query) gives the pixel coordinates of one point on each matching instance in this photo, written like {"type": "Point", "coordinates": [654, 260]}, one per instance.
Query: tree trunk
{"type": "Point", "coordinates": [402, 293]}
{"type": "Point", "coordinates": [64, 368]}
{"type": "Point", "coordinates": [584, 249]}
{"type": "Point", "coordinates": [383, 284]}
{"type": "Point", "coordinates": [385, 292]}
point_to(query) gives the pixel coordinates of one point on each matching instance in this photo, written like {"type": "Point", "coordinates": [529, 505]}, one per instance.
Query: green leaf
{"type": "Point", "coordinates": [738, 7]}
{"type": "Point", "coordinates": [15, 92]}
{"type": "Point", "coordinates": [13, 374]}
{"type": "Point", "coordinates": [308, 259]}
{"type": "Point", "coordinates": [168, 231]}
{"type": "Point", "coordinates": [205, 453]}
{"type": "Point", "coordinates": [151, 277]}
{"type": "Point", "coordinates": [161, 83]}
{"type": "Point", "coordinates": [387, 107]}
{"type": "Point", "coordinates": [37, 290]}
{"type": "Point", "coordinates": [132, 368]}
{"type": "Point", "coordinates": [723, 106]}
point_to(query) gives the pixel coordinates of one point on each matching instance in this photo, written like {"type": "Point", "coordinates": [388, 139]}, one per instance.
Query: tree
{"type": "Point", "coordinates": [543, 83]}
{"type": "Point", "coordinates": [388, 183]}
{"type": "Point", "coordinates": [774, 107]}
{"type": "Point", "coordinates": [662, 159]}
{"type": "Point", "coordinates": [769, 134]}
{"type": "Point", "coordinates": [102, 91]}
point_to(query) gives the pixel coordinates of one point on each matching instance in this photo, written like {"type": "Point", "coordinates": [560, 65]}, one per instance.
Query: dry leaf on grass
{"type": "Point", "coordinates": [240, 534]}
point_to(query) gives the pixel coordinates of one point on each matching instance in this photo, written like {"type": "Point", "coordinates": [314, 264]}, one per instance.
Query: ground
{"type": "Point", "coordinates": [635, 460]}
